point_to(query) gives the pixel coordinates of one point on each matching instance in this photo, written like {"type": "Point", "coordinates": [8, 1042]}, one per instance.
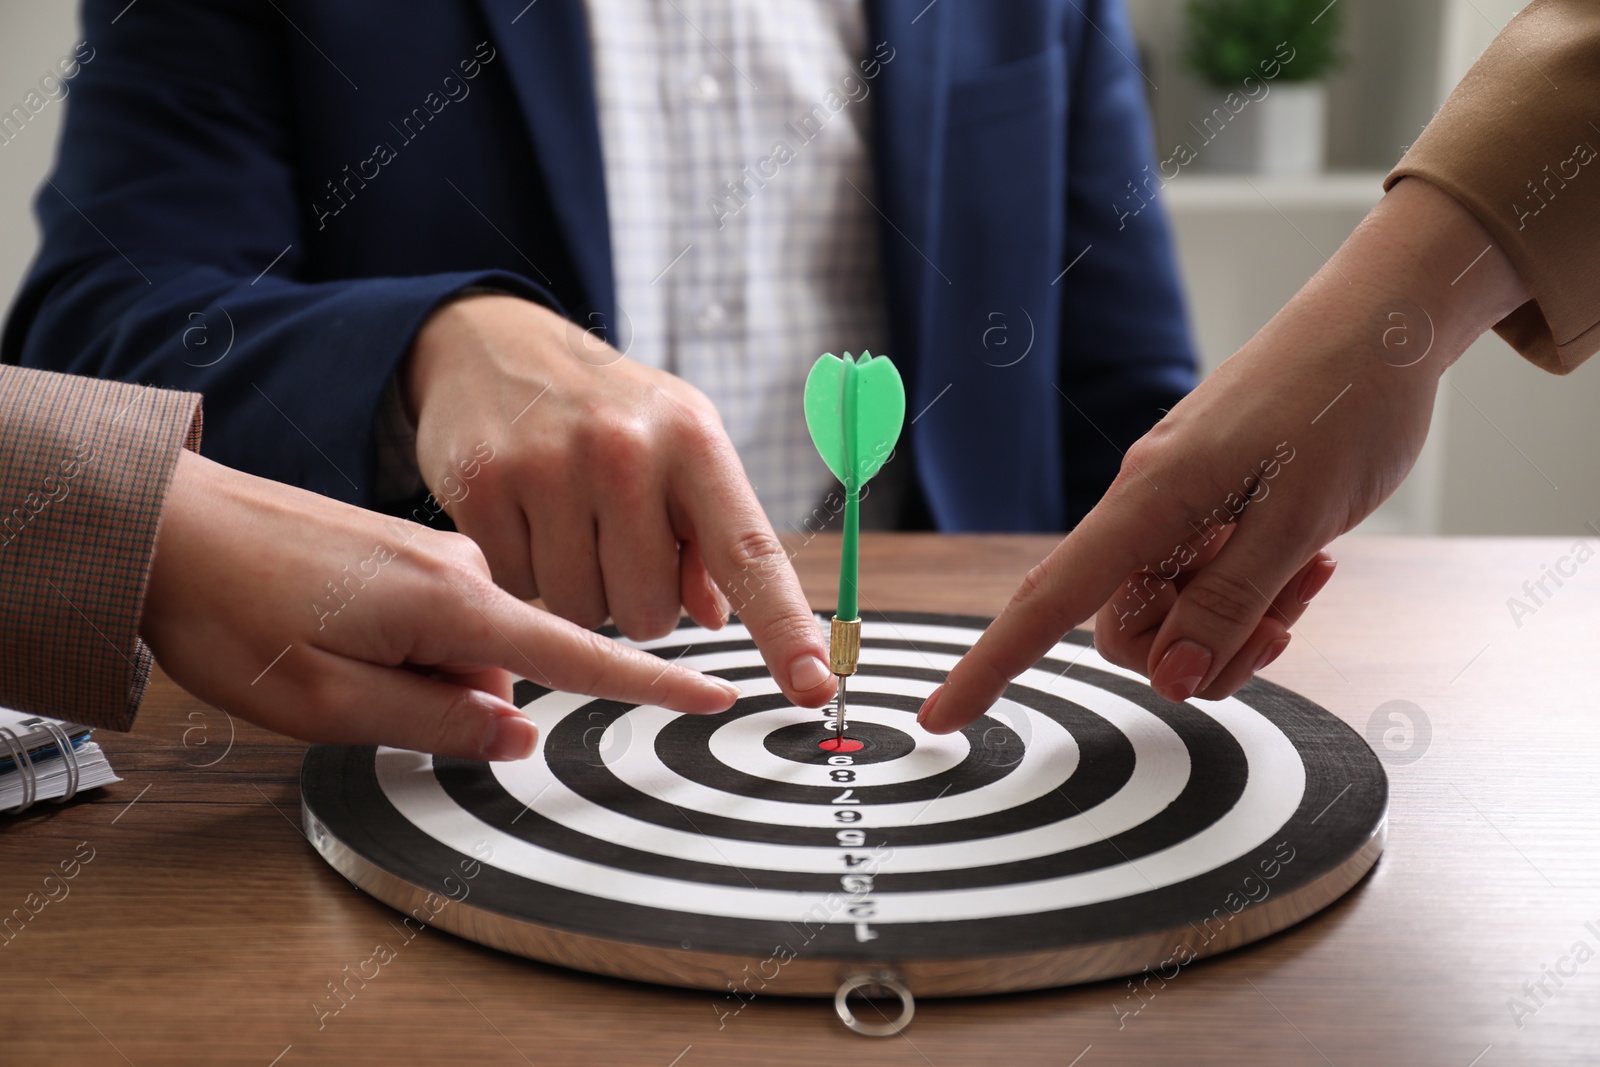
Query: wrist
{"type": "Point", "coordinates": [463, 331]}
{"type": "Point", "coordinates": [191, 485]}
{"type": "Point", "coordinates": [449, 331]}
{"type": "Point", "coordinates": [1402, 298]}
{"type": "Point", "coordinates": [1427, 277]}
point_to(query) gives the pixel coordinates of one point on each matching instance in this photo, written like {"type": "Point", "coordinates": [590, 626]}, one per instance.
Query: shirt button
{"type": "Point", "coordinates": [711, 318]}
{"type": "Point", "coordinates": [705, 89]}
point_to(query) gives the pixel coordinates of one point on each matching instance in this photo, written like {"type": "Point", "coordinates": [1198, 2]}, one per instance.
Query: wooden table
{"type": "Point", "coordinates": [204, 927]}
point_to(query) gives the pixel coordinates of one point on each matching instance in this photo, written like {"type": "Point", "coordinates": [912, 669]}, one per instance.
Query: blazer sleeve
{"type": "Point", "coordinates": [1516, 143]}
{"type": "Point", "coordinates": [86, 468]}
{"type": "Point", "coordinates": [1126, 355]}
{"type": "Point", "coordinates": [173, 248]}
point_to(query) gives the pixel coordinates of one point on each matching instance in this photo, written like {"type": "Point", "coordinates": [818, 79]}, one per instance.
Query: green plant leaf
{"type": "Point", "coordinates": [1228, 41]}
{"type": "Point", "coordinates": [855, 409]}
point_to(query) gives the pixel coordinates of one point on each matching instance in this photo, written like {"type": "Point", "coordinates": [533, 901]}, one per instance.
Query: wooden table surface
{"type": "Point", "coordinates": [204, 929]}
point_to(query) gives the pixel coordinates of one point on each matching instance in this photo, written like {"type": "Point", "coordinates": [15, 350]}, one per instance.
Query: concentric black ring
{"type": "Point", "coordinates": [1341, 808]}
{"type": "Point", "coordinates": [684, 747]}
{"type": "Point", "coordinates": [1105, 764]}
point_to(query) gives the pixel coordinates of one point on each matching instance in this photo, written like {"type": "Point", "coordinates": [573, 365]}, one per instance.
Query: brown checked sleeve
{"type": "Point", "coordinates": [1518, 143]}
{"type": "Point", "coordinates": [84, 470]}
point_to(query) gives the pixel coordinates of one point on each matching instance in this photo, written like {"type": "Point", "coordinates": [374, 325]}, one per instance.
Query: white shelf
{"type": "Point", "coordinates": [1349, 191]}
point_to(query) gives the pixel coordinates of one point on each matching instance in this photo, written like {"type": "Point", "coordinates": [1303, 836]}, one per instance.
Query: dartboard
{"type": "Point", "coordinates": [1085, 827]}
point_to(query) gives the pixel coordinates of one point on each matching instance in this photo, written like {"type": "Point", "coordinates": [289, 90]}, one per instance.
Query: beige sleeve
{"type": "Point", "coordinates": [84, 475]}
{"type": "Point", "coordinates": [1516, 143]}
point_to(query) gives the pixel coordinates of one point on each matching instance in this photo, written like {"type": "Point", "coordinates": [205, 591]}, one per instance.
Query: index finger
{"type": "Point", "coordinates": [1066, 588]}
{"type": "Point", "coordinates": [748, 562]}
{"type": "Point", "coordinates": [563, 655]}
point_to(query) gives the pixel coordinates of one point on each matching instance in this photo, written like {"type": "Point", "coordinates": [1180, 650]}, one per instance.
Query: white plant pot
{"type": "Point", "coordinates": [1283, 132]}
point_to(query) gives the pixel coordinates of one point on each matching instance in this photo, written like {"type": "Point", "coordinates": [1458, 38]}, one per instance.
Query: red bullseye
{"type": "Point", "coordinates": [841, 744]}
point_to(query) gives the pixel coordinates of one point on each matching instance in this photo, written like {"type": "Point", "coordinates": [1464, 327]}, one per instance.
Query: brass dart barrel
{"type": "Point", "coordinates": [844, 650]}
{"type": "Point", "coordinates": [844, 646]}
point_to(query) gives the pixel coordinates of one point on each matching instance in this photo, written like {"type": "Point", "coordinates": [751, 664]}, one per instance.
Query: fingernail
{"type": "Point", "coordinates": [808, 673]}
{"type": "Point", "coordinates": [1314, 580]}
{"type": "Point", "coordinates": [927, 706]}
{"type": "Point", "coordinates": [1270, 653]}
{"type": "Point", "coordinates": [510, 737]}
{"type": "Point", "coordinates": [1181, 670]}
{"type": "Point", "coordinates": [733, 691]}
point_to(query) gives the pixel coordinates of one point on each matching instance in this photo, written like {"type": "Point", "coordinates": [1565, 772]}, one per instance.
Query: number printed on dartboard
{"type": "Point", "coordinates": [860, 869]}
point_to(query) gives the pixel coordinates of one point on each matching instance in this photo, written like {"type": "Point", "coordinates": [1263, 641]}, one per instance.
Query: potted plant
{"type": "Point", "coordinates": [1270, 58]}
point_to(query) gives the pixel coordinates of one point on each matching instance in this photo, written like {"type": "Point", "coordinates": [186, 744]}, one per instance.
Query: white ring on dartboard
{"type": "Point", "coordinates": [1272, 792]}
{"type": "Point", "coordinates": [1158, 778]}
{"type": "Point", "coordinates": [1052, 760]}
{"type": "Point", "coordinates": [1327, 842]}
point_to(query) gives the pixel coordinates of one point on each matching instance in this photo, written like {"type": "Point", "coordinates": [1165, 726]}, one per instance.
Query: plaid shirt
{"type": "Point", "coordinates": [738, 262]}
{"type": "Point", "coordinates": [84, 470]}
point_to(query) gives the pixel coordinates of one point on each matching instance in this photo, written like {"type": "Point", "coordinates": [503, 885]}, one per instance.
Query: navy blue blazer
{"type": "Point", "coordinates": [263, 202]}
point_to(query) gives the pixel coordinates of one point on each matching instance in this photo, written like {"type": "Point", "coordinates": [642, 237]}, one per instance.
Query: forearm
{"type": "Point", "coordinates": [293, 372]}
{"type": "Point", "coordinates": [181, 248]}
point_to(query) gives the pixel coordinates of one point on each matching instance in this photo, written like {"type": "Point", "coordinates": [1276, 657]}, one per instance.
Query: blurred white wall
{"type": "Point", "coordinates": [34, 34]}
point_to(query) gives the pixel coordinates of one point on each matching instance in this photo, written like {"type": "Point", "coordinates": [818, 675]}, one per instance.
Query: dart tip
{"type": "Point", "coordinates": [838, 719]}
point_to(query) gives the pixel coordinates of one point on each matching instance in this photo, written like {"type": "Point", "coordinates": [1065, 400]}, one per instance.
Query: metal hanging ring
{"type": "Point", "coordinates": [841, 1004]}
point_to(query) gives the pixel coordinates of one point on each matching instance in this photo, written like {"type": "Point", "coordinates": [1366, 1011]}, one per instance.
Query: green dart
{"type": "Point", "coordinates": [855, 408]}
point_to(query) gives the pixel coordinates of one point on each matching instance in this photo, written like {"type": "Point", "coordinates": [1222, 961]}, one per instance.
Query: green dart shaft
{"type": "Point", "coordinates": [849, 556]}
{"type": "Point", "coordinates": [849, 559]}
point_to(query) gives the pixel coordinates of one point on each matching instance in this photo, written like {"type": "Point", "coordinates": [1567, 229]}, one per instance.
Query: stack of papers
{"type": "Point", "coordinates": [46, 759]}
